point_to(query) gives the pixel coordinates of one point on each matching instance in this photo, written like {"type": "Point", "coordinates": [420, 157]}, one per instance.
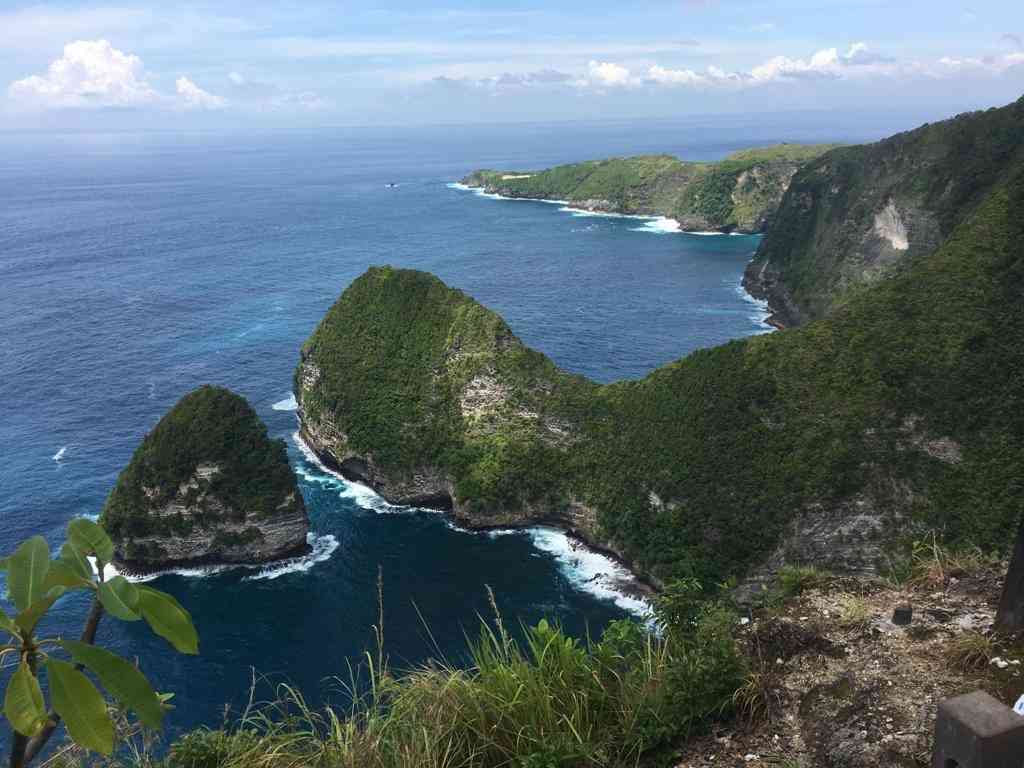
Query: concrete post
{"type": "Point", "coordinates": [977, 731]}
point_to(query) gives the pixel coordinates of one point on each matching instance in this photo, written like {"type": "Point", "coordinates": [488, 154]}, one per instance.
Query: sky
{"type": "Point", "coordinates": [78, 66]}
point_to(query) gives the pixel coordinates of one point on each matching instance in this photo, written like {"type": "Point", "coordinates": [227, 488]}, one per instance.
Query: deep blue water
{"type": "Point", "coordinates": [135, 267]}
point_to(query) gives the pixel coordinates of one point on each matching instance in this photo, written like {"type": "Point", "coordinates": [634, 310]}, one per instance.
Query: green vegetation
{"type": "Point", "coordinates": [821, 245]}
{"type": "Point", "coordinates": [545, 701]}
{"type": "Point", "coordinates": [209, 427]}
{"type": "Point", "coordinates": [908, 401]}
{"type": "Point", "coordinates": [720, 195]}
{"type": "Point", "coordinates": [35, 583]}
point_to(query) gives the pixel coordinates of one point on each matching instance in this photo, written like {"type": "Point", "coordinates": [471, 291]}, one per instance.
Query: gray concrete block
{"type": "Point", "coordinates": [978, 731]}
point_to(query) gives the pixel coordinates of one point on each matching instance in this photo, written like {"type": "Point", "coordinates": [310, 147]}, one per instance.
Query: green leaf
{"type": "Point", "coordinates": [89, 539]}
{"type": "Point", "coordinates": [23, 702]}
{"type": "Point", "coordinates": [84, 711]}
{"type": "Point", "coordinates": [121, 678]}
{"type": "Point", "coordinates": [70, 556]}
{"type": "Point", "coordinates": [28, 618]}
{"type": "Point", "coordinates": [26, 571]}
{"type": "Point", "coordinates": [168, 619]}
{"type": "Point", "coordinates": [7, 624]}
{"type": "Point", "coordinates": [63, 575]}
{"type": "Point", "coordinates": [120, 598]}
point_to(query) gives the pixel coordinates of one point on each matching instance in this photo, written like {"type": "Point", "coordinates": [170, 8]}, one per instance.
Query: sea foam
{"type": "Point", "coordinates": [659, 226]}
{"type": "Point", "coordinates": [585, 569]}
{"type": "Point", "coordinates": [288, 404]}
{"type": "Point", "coordinates": [60, 453]}
{"type": "Point", "coordinates": [321, 549]}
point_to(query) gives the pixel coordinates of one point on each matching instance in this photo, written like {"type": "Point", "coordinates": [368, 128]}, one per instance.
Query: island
{"type": "Point", "coordinates": [737, 194]}
{"type": "Point", "coordinates": [206, 486]}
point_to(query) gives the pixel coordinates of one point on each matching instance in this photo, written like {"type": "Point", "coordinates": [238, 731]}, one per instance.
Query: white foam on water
{"type": "Point", "coordinates": [583, 212]}
{"type": "Point", "coordinates": [60, 453]}
{"type": "Point", "coordinates": [701, 233]}
{"type": "Point", "coordinates": [288, 404]}
{"type": "Point", "coordinates": [761, 310]}
{"type": "Point", "coordinates": [480, 192]}
{"type": "Point", "coordinates": [586, 570]}
{"type": "Point", "coordinates": [363, 495]}
{"type": "Point", "coordinates": [589, 571]}
{"type": "Point", "coordinates": [322, 547]}
{"type": "Point", "coordinates": [659, 226]}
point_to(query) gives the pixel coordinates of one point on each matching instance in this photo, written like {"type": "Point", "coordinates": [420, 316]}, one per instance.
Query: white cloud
{"type": "Point", "coordinates": [91, 73]}
{"type": "Point", "coordinates": [608, 73]}
{"type": "Point", "coordinates": [236, 78]}
{"type": "Point", "coordinates": [191, 96]}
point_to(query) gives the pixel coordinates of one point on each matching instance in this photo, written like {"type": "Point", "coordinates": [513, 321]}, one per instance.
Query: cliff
{"type": "Point", "coordinates": [860, 214]}
{"type": "Point", "coordinates": [739, 193]}
{"type": "Point", "coordinates": [835, 443]}
{"type": "Point", "coordinates": [206, 486]}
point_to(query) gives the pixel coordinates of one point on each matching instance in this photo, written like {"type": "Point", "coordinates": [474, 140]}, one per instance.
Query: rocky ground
{"type": "Point", "coordinates": [838, 684]}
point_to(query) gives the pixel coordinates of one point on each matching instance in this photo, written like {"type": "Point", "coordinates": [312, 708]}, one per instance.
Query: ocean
{"type": "Point", "coordinates": [135, 267]}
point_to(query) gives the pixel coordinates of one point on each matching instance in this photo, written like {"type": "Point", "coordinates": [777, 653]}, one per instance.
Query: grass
{"type": "Point", "coordinates": [972, 652]}
{"type": "Point", "coordinates": [854, 613]}
{"type": "Point", "coordinates": [547, 701]}
{"type": "Point", "coordinates": [793, 580]}
{"type": "Point", "coordinates": [927, 562]}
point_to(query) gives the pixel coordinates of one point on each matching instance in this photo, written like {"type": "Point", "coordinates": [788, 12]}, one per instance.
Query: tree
{"type": "Point", "coordinates": [34, 583]}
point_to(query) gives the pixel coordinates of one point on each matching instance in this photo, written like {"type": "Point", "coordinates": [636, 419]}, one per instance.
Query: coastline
{"type": "Point", "coordinates": [577, 210]}
{"type": "Point", "coordinates": [635, 585]}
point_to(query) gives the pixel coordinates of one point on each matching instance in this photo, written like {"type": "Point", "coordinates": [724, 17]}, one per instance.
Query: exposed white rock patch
{"type": "Point", "coordinates": [889, 226]}
{"type": "Point", "coordinates": [483, 394]}
{"type": "Point", "coordinates": [513, 176]}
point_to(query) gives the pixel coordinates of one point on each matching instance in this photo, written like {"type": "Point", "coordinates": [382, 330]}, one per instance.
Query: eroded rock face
{"type": "Point", "coordinates": [859, 214]}
{"type": "Point", "coordinates": [206, 487]}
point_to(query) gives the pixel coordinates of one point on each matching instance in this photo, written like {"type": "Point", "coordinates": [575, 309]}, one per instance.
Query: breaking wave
{"type": "Point", "coordinates": [322, 547]}
{"type": "Point", "coordinates": [288, 404]}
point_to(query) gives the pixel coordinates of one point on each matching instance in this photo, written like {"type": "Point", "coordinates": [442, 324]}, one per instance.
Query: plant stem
{"type": "Point", "coordinates": [31, 748]}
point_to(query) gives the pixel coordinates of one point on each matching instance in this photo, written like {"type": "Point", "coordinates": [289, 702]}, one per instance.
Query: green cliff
{"type": "Point", "coordinates": [206, 486]}
{"type": "Point", "coordinates": [901, 411]}
{"type": "Point", "coordinates": [739, 193]}
{"type": "Point", "coordinates": [859, 214]}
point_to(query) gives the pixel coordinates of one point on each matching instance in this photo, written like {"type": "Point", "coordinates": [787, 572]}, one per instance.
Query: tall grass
{"type": "Point", "coordinates": [546, 701]}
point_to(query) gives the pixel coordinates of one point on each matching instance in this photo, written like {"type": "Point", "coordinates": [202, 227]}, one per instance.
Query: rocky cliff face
{"type": "Point", "coordinates": [206, 487]}
{"type": "Point", "coordinates": [834, 442]}
{"type": "Point", "coordinates": [740, 193]}
{"type": "Point", "coordinates": [859, 214]}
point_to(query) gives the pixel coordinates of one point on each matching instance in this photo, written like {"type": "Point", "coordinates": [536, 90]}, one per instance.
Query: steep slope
{"type": "Point", "coordinates": [206, 486]}
{"type": "Point", "coordinates": [901, 411]}
{"type": "Point", "coordinates": [738, 193]}
{"type": "Point", "coordinates": [856, 214]}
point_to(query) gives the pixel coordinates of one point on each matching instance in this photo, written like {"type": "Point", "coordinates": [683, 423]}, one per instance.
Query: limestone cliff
{"type": "Point", "coordinates": [206, 486]}
{"type": "Point", "coordinates": [859, 214]}
{"type": "Point", "coordinates": [832, 444]}
{"type": "Point", "coordinates": [739, 193]}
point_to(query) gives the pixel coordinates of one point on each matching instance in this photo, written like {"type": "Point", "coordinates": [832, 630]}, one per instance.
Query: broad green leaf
{"type": "Point", "coordinates": [84, 711]}
{"type": "Point", "coordinates": [28, 618]}
{"type": "Point", "coordinates": [26, 571]}
{"type": "Point", "coordinates": [63, 575]}
{"type": "Point", "coordinates": [121, 598]}
{"type": "Point", "coordinates": [23, 702]}
{"type": "Point", "coordinates": [89, 539]}
{"type": "Point", "coordinates": [7, 624]}
{"type": "Point", "coordinates": [70, 556]}
{"type": "Point", "coordinates": [121, 678]}
{"type": "Point", "coordinates": [168, 619]}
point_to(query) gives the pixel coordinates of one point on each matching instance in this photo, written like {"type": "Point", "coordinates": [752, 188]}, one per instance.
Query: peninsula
{"type": "Point", "coordinates": [737, 194]}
